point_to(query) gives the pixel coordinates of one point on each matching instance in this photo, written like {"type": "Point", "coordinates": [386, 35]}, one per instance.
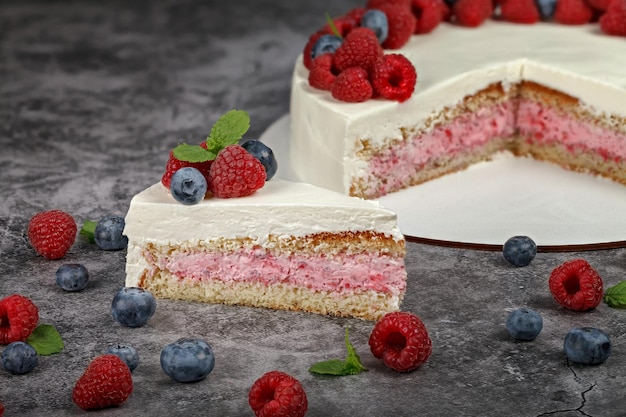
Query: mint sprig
{"type": "Point", "coordinates": [333, 27]}
{"type": "Point", "coordinates": [350, 366]}
{"type": "Point", "coordinates": [226, 131]}
{"type": "Point", "coordinates": [89, 230]}
{"type": "Point", "coordinates": [615, 296]}
{"type": "Point", "coordinates": [46, 340]}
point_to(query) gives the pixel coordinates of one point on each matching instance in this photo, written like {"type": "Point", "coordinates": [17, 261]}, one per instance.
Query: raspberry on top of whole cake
{"type": "Point", "coordinates": [347, 55]}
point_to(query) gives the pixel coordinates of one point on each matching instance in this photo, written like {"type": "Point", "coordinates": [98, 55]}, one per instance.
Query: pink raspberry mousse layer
{"type": "Point", "coordinates": [317, 272]}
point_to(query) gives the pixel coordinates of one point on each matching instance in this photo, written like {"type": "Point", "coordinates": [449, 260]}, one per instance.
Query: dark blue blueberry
{"type": "Point", "coordinates": [132, 306]}
{"type": "Point", "coordinates": [519, 250]}
{"type": "Point", "coordinates": [377, 21]}
{"type": "Point", "coordinates": [126, 353]}
{"type": "Point", "coordinates": [326, 44]}
{"type": "Point", "coordinates": [587, 345]}
{"type": "Point", "coordinates": [188, 186]}
{"type": "Point", "coordinates": [187, 360]}
{"type": "Point", "coordinates": [19, 358]}
{"type": "Point", "coordinates": [546, 8]}
{"type": "Point", "coordinates": [263, 153]}
{"type": "Point", "coordinates": [108, 234]}
{"type": "Point", "coordinates": [72, 277]}
{"type": "Point", "coordinates": [524, 324]}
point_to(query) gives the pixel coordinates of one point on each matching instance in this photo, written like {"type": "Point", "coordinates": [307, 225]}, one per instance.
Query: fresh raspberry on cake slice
{"type": "Point", "coordinates": [519, 11]}
{"type": "Point", "coordinates": [359, 49]}
{"type": "Point", "coordinates": [394, 77]}
{"type": "Point", "coordinates": [573, 12]}
{"type": "Point", "coordinates": [613, 21]}
{"type": "Point", "coordinates": [236, 173]}
{"type": "Point", "coordinates": [174, 164]}
{"type": "Point", "coordinates": [401, 25]}
{"type": "Point", "coordinates": [472, 13]}
{"type": "Point", "coordinates": [322, 73]}
{"type": "Point", "coordinates": [428, 15]}
{"type": "Point", "coordinates": [352, 85]}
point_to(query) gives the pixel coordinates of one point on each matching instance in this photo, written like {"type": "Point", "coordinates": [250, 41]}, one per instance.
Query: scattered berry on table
{"type": "Point", "coordinates": [19, 358]}
{"type": "Point", "coordinates": [132, 306]}
{"type": "Point", "coordinates": [264, 154]}
{"type": "Point", "coordinates": [546, 8]}
{"type": "Point", "coordinates": [524, 324]}
{"type": "Point", "coordinates": [126, 353]}
{"type": "Point", "coordinates": [359, 49]}
{"type": "Point", "coordinates": [587, 345]}
{"type": "Point", "coordinates": [109, 233]}
{"type": "Point", "coordinates": [1, 409]}
{"type": "Point", "coordinates": [52, 233]}
{"type": "Point", "coordinates": [572, 12]}
{"type": "Point", "coordinates": [187, 360]}
{"type": "Point", "coordinates": [519, 11]}
{"type": "Point", "coordinates": [519, 250]}
{"type": "Point", "coordinates": [613, 20]}
{"type": "Point", "coordinates": [322, 73]}
{"type": "Point", "coordinates": [326, 44]}
{"type": "Point", "coordinates": [188, 186]}
{"type": "Point", "coordinates": [277, 393]}
{"type": "Point", "coordinates": [72, 277]}
{"type": "Point", "coordinates": [107, 382]}
{"type": "Point", "coordinates": [18, 318]}
{"type": "Point", "coordinates": [576, 285]}
{"type": "Point", "coordinates": [235, 173]}
{"type": "Point", "coordinates": [401, 340]}
{"type": "Point", "coordinates": [352, 85]}
{"type": "Point", "coordinates": [394, 77]}
{"type": "Point", "coordinates": [376, 21]}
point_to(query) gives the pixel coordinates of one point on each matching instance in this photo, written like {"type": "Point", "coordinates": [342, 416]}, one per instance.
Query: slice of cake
{"type": "Point", "coordinates": [289, 246]}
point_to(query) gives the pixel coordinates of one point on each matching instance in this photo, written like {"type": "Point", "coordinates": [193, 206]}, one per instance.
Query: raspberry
{"type": "Point", "coordinates": [520, 11]}
{"type": "Point", "coordinates": [342, 24]}
{"type": "Point", "coordinates": [307, 57]}
{"type": "Point", "coordinates": [600, 5]}
{"type": "Point", "coordinates": [107, 382]}
{"type": "Point", "coordinates": [576, 285]}
{"type": "Point", "coordinates": [613, 21]}
{"type": "Point", "coordinates": [401, 25]}
{"type": "Point", "coordinates": [18, 318]}
{"type": "Point", "coordinates": [235, 173]}
{"type": "Point", "coordinates": [52, 233]}
{"type": "Point", "coordinates": [355, 15]}
{"type": "Point", "coordinates": [572, 12]}
{"type": "Point", "coordinates": [472, 13]}
{"type": "Point", "coordinates": [173, 165]}
{"type": "Point", "coordinates": [322, 73]}
{"type": "Point", "coordinates": [401, 340]}
{"type": "Point", "coordinates": [376, 4]}
{"type": "Point", "coordinates": [359, 49]}
{"type": "Point", "coordinates": [1, 409]}
{"type": "Point", "coordinates": [352, 85]}
{"type": "Point", "coordinates": [428, 15]}
{"type": "Point", "coordinates": [276, 393]}
{"type": "Point", "coordinates": [394, 77]}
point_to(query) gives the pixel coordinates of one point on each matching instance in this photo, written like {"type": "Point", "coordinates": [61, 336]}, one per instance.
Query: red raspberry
{"type": "Point", "coordinates": [107, 382]}
{"type": "Point", "coordinates": [600, 5]}
{"type": "Point", "coordinates": [576, 285]}
{"type": "Point", "coordinates": [613, 21]}
{"type": "Point", "coordinates": [236, 173]}
{"type": "Point", "coordinates": [376, 4]}
{"type": "Point", "coordinates": [394, 77]}
{"type": "Point", "coordinates": [359, 49]}
{"type": "Point", "coordinates": [401, 25]}
{"type": "Point", "coordinates": [322, 74]}
{"type": "Point", "coordinates": [18, 318]}
{"type": "Point", "coordinates": [401, 340]}
{"type": "Point", "coordinates": [276, 393]}
{"type": "Point", "coordinates": [355, 15]}
{"type": "Point", "coordinates": [428, 14]}
{"type": "Point", "coordinates": [520, 11]}
{"type": "Point", "coordinates": [352, 85]}
{"type": "Point", "coordinates": [52, 233]}
{"type": "Point", "coordinates": [307, 58]}
{"type": "Point", "coordinates": [1, 409]}
{"type": "Point", "coordinates": [174, 165]}
{"type": "Point", "coordinates": [472, 13]}
{"type": "Point", "coordinates": [342, 24]}
{"type": "Point", "coordinates": [572, 12]}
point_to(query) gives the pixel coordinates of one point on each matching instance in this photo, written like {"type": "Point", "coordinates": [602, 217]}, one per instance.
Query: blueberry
{"type": "Point", "coordinates": [188, 186]}
{"type": "Point", "coordinates": [263, 153]}
{"type": "Point", "coordinates": [587, 345]}
{"type": "Point", "coordinates": [377, 21]}
{"type": "Point", "coordinates": [519, 250]}
{"type": "Point", "coordinates": [126, 353]}
{"type": "Point", "coordinates": [132, 306]}
{"type": "Point", "coordinates": [187, 360]}
{"type": "Point", "coordinates": [546, 8]}
{"type": "Point", "coordinates": [19, 358]}
{"type": "Point", "coordinates": [524, 324]}
{"type": "Point", "coordinates": [326, 44]}
{"type": "Point", "coordinates": [108, 234]}
{"type": "Point", "coordinates": [72, 277]}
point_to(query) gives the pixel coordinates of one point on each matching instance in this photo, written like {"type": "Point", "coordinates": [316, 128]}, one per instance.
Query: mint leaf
{"type": "Point", "coordinates": [46, 340]}
{"type": "Point", "coordinates": [351, 366]}
{"type": "Point", "coordinates": [228, 130]}
{"type": "Point", "coordinates": [616, 295]}
{"type": "Point", "coordinates": [192, 153]}
{"type": "Point", "coordinates": [333, 27]}
{"type": "Point", "coordinates": [89, 230]}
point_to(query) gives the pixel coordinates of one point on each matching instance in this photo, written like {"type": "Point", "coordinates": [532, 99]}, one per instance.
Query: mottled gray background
{"type": "Point", "coordinates": [92, 97]}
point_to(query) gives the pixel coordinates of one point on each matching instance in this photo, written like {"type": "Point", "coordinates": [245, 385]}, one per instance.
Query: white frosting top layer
{"type": "Point", "coordinates": [452, 62]}
{"type": "Point", "coordinates": [279, 208]}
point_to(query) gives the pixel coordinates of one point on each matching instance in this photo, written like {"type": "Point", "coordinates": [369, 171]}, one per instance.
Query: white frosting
{"type": "Point", "coordinates": [451, 63]}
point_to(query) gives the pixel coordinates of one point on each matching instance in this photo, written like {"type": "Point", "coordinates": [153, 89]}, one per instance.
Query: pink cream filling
{"type": "Point", "coordinates": [344, 274]}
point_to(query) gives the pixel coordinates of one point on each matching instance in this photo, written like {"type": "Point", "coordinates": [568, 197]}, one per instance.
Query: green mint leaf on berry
{"type": "Point", "coordinates": [333, 27]}
{"type": "Point", "coordinates": [616, 295]}
{"type": "Point", "coordinates": [46, 340]}
{"type": "Point", "coordinates": [228, 130]}
{"type": "Point", "coordinates": [193, 153]}
{"type": "Point", "coordinates": [350, 366]}
{"type": "Point", "coordinates": [88, 230]}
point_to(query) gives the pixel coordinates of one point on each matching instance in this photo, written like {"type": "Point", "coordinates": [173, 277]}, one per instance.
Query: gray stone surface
{"type": "Point", "coordinates": [92, 97]}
